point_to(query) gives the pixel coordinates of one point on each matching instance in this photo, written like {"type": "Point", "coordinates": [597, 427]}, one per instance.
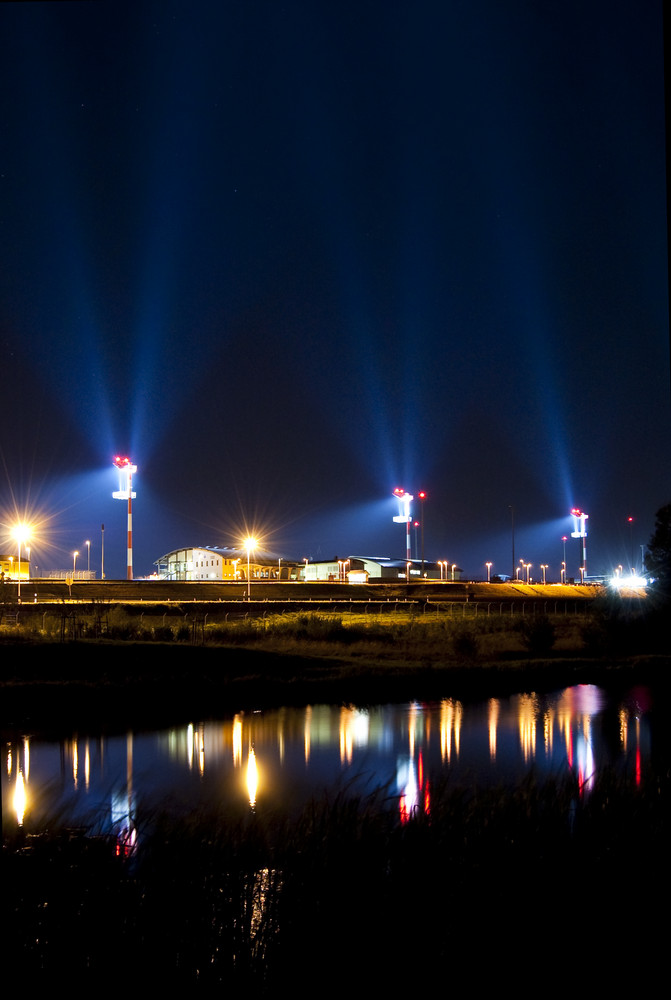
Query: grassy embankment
{"type": "Point", "coordinates": [147, 658]}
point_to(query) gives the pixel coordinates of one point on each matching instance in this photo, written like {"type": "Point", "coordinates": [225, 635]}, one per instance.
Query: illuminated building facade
{"type": "Point", "coordinates": [220, 563]}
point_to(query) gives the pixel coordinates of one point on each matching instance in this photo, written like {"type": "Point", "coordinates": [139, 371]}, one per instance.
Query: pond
{"type": "Point", "coordinates": [281, 758]}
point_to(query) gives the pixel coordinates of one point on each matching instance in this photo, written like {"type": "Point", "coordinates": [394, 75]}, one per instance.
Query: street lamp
{"type": "Point", "coordinates": [250, 545]}
{"type": "Point", "coordinates": [528, 567]}
{"type": "Point", "coordinates": [21, 534]}
{"type": "Point", "coordinates": [512, 531]}
{"type": "Point", "coordinates": [421, 496]}
{"type": "Point", "coordinates": [74, 562]}
{"type": "Point", "coordinates": [543, 568]}
{"type": "Point", "coordinates": [630, 521]}
{"type": "Point", "coordinates": [489, 571]}
{"type": "Point", "coordinates": [454, 566]}
{"type": "Point", "coordinates": [87, 543]}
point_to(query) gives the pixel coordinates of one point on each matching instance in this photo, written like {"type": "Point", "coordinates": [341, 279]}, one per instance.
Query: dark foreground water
{"type": "Point", "coordinates": [281, 758]}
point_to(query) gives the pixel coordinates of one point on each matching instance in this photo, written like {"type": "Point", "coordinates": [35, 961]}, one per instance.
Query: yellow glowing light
{"type": "Point", "coordinates": [250, 544]}
{"type": "Point", "coordinates": [252, 777]}
{"type": "Point", "coordinates": [19, 798]}
{"type": "Point", "coordinates": [21, 533]}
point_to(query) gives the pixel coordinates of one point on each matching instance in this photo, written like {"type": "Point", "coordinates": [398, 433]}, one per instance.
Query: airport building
{"type": "Point", "coordinates": [215, 563]}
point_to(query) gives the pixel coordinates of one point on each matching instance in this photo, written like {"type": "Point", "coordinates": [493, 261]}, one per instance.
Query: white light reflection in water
{"type": "Point", "coordinates": [300, 753]}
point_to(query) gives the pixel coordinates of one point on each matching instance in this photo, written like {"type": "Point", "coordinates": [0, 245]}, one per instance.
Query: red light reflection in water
{"type": "Point", "coordinates": [416, 791]}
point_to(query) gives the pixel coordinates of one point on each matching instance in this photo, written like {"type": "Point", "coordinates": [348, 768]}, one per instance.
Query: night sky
{"type": "Point", "coordinates": [289, 256]}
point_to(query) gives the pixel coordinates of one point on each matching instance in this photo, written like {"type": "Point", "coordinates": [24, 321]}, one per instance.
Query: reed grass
{"type": "Point", "coordinates": [341, 891]}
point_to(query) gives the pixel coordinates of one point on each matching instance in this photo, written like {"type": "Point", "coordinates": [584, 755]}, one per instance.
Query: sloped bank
{"type": "Point", "coordinates": [112, 685]}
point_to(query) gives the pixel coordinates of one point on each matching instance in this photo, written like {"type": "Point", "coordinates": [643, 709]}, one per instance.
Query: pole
{"type": "Point", "coordinates": [129, 561]}
{"type": "Point", "coordinates": [512, 522]}
{"type": "Point", "coordinates": [102, 551]}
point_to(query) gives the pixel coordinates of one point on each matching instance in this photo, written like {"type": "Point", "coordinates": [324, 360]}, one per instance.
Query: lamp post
{"type": "Point", "coordinates": [21, 534]}
{"type": "Point", "coordinates": [250, 545]}
{"type": "Point", "coordinates": [74, 562]}
{"type": "Point", "coordinates": [422, 497]}
{"type": "Point", "coordinates": [454, 566]}
{"type": "Point", "coordinates": [528, 567]}
{"type": "Point", "coordinates": [305, 574]}
{"type": "Point", "coordinates": [489, 571]}
{"type": "Point", "coordinates": [87, 543]}
{"type": "Point", "coordinates": [543, 568]}
{"type": "Point", "coordinates": [407, 571]}
{"type": "Point", "coordinates": [630, 521]}
{"type": "Point", "coordinates": [512, 532]}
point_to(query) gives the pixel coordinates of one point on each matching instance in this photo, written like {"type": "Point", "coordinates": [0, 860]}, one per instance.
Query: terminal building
{"type": "Point", "coordinates": [369, 569]}
{"type": "Point", "coordinates": [215, 563]}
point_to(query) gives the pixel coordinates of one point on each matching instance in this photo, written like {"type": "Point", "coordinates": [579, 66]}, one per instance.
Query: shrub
{"type": "Point", "coordinates": [538, 635]}
{"type": "Point", "coordinates": [465, 643]}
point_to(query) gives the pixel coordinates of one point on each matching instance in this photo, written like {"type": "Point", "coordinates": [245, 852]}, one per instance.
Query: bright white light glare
{"type": "Point", "coordinates": [628, 582]}
{"type": "Point", "coordinates": [404, 500]}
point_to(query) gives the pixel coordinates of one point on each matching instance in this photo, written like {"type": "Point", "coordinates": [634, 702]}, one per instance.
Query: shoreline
{"type": "Point", "coordinates": [114, 685]}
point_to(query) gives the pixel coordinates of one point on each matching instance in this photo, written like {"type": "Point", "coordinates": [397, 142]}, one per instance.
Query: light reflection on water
{"type": "Point", "coordinates": [285, 756]}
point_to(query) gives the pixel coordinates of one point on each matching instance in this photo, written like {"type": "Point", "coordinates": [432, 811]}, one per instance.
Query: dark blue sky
{"type": "Point", "coordinates": [293, 255]}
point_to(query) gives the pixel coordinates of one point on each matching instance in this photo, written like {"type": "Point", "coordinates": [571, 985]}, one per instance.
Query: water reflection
{"type": "Point", "coordinates": [265, 759]}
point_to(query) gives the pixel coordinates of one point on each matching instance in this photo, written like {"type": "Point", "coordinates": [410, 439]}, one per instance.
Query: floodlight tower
{"type": "Point", "coordinates": [404, 516]}
{"type": "Point", "coordinates": [125, 492]}
{"type": "Point", "coordinates": [580, 531]}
